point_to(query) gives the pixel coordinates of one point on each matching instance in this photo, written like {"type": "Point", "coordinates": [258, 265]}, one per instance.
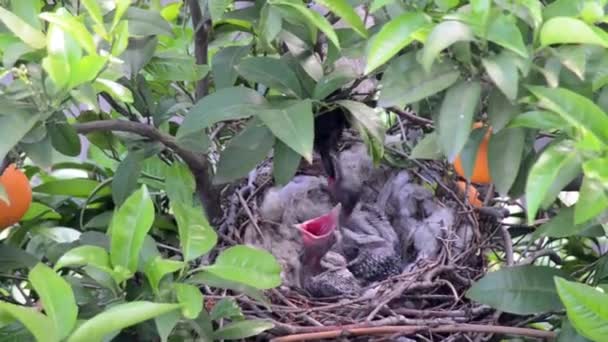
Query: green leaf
{"type": "Point", "coordinates": [121, 40]}
{"type": "Point", "coordinates": [575, 109]}
{"type": "Point", "coordinates": [196, 236]}
{"type": "Point", "coordinates": [468, 154]}
{"type": "Point", "coordinates": [28, 34]}
{"type": "Point", "coordinates": [13, 127]}
{"type": "Point", "coordinates": [504, 31]}
{"type": "Point", "coordinates": [145, 22]}
{"type": "Point", "coordinates": [345, 11]}
{"type": "Point", "coordinates": [597, 169]}
{"type": "Point", "coordinates": [441, 37]}
{"type": "Point", "coordinates": [313, 18]}
{"type": "Point", "coordinates": [94, 10]}
{"type": "Point", "coordinates": [176, 69]}
{"type": "Point", "coordinates": [592, 200]}
{"type": "Point", "coordinates": [86, 70]}
{"type": "Point", "coordinates": [244, 152]}
{"type": "Point", "coordinates": [129, 227]}
{"type": "Point", "coordinates": [247, 265]}
{"type": "Point", "coordinates": [568, 334]}
{"type": "Point", "coordinates": [115, 89]}
{"type": "Point", "coordinates": [87, 255]}
{"type": "Point", "coordinates": [117, 318]}
{"type": "Point", "coordinates": [574, 58]}
{"type": "Point", "coordinates": [225, 104]}
{"type": "Point", "coordinates": [367, 117]}
{"type": "Point", "coordinates": [126, 177]}
{"type": "Point", "coordinates": [217, 8]}
{"type": "Point", "coordinates": [543, 120]}
{"type": "Point", "coordinates": [242, 329]}
{"type": "Point", "coordinates": [394, 36]}
{"type": "Point", "coordinates": [586, 308]}
{"type": "Point", "coordinates": [501, 110]}
{"type": "Point", "coordinates": [212, 280]}
{"type": "Point", "coordinates": [179, 183]}
{"type": "Point", "coordinates": [505, 151]}
{"type": "Point", "coordinates": [157, 268]}
{"type": "Point", "coordinates": [285, 163]}
{"type": "Point", "coordinates": [503, 72]}
{"type": "Point", "coordinates": [75, 187]}
{"type": "Point", "coordinates": [565, 30]}
{"type": "Point", "coordinates": [36, 323]}
{"type": "Point", "coordinates": [27, 10]}
{"type": "Point", "coordinates": [521, 290]}
{"type": "Point", "coordinates": [378, 4]}
{"type": "Point", "coordinates": [57, 298]}
{"type": "Point", "coordinates": [64, 138]}
{"type": "Point", "coordinates": [271, 72]}
{"type": "Point", "coordinates": [191, 299]}
{"type": "Point", "coordinates": [427, 148]}
{"type": "Point", "coordinates": [456, 116]}
{"type": "Point", "coordinates": [73, 26]}
{"type": "Point", "coordinates": [530, 11]}
{"type": "Point", "coordinates": [405, 81]}
{"type": "Point", "coordinates": [223, 65]}
{"type": "Point", "coordinates": [167, 322]}
{"type": "Point", "coordinates": [546, 171]}
{"type": "Point", "coordinates": [562, 225]}
{"type": "Point", "coordinates": [225, 308]}
{"type": "Point", "coordinates": [293, 125]}
{"type": "Point", "coordinates": [332, 82]}
{"type": "Point", "coordinates": [138, 52]}
{"type": "Point", "coordinates": [12, 258]}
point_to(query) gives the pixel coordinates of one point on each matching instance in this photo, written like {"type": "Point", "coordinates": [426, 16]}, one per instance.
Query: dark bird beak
{"type": "Point", "coordinates": [318, 231]}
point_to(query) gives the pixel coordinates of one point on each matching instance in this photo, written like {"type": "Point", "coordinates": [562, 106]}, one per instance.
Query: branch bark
{"type": "Point", "coordinates": [197, 163]}
{"type": "Point", "coordinates": [201, 44]}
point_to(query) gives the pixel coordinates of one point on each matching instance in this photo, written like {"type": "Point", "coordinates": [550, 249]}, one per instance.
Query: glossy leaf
{"type": "Point", "coordinates": [73, 26]}
{"type": "Point", "coordinates": [242, 329]}
{"type": "Point", "coordinates": [130, 224]}
{"type": "Point", "coordinates": [442, 36]}
{"type": "Point", "coordinates": [561, 225]}
{"type": "Point", "coordinates": [157, 268]}
{"type": "Point", "coordinates": [574, 58]}
{"type": "Point", "coordinates": [313, 18]}
{"type": "Point", "coordinates": [244, 152]}
{"type": "Point", "coordinates": [567, 30]}
{"type": "Point", "coordinates": [543, 120]}
{"type": "Point", "coordinates": [167, 322]}
{"type": "Point", "coordinates": [179, 183]}
{"type": "Point", "coordinates": [392, 37]}
{"type": "Point", "coordinates": [210, 279]}
{"type": "Point", "coordinates": [575, 109]}
{"type": "Point", "coordinates": [217, 8]}
{"type": "Point", "coordinates": [87, 255]}
{"type": "Point", "coordinates": [285, 163]}
{"type": "Point", "coordinates": [427, 148]}
{"type": "Point", "coordinates": [225, 104]}
{"type": "Point", "coordinates": [225, 308]}
{"type": "Point", "coordinates": [139, 51]}
{"type": "Point", "coordinates": [345, 11]}
{"type": "Point", "coordinates": [115, 89]}
{"type": "Point", "coordinates": [456, 116]}
{"type": "Point", "coordinates": [592, 200]}
{"type": "Point", "coordinates": [196, 235]}
{"type": "Point", "coordinates": [519, 290]}
{"type": "Point", "coordinates": [504, 32]}
{"type": "Point", "coordinates": [57, 298]}
{"type": "Point", "coordinates": [22, 29]}
{"type": "Point", "coordinates": [503, 72]}
{"type": "Point", "coordinates": [117, 318]}
{"type": "Point", "coordinates": [500, 110]}
{"type": "Point", "coordinates": [545, 173]}
{"type": "Point", "coordinates": [586, 308]}
{"type": "Point", "coordinates": [223, 65]}
{"type": "Point", "coordinates": [191, 299]}
{"type": "Point", "coordinates": [271, 72]}
{"type": "Point", "coordinates": [12, 258]}
{"type": "Point", "coordinates": [76, 187]}
{"type": "Point", "coordinates": [145, 22]}
{"type": "Point", "coordinates": [126, 177]}
{"type": "Point", "coordinates": [94, 10]}
{"type": "Point", "coordinates": [247, 265]}
{"type": "Point", "coordinates": [505, 151]}
{"type": "Point", "coordinates": [36, 323]}
{"type": "Point", "coordinates": [405, 81]}
{"type": "Point", "coordinates": [366, 116]}
{"type": "Point", "coordinates": [332, 82]}
{"type": "Point", "coordinates": [293, 125]}
{"type": "Point", "coordinates": [176, 69]}
{"type": "Point", "coordinates": [13, 128]}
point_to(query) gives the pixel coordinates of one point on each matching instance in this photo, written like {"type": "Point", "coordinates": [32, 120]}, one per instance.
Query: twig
{"type": "Point", "coordinates": [508, 244]}
{"type": "Point", "coordinates": [539, 254]}
{"type": "Point", "coordinates": [411, 117]}
{"type": "Point", "coordinates": [196, 162]}
{"type": "Point", "coordinates": [409, 330]}
{"type": "Point", "coordinates": [201, 44]}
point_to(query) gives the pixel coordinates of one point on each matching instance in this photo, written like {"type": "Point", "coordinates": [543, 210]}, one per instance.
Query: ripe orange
{"type": "Point", "coordinates": [481, 170]}
{"type": "Point", "coordinates": [473, 193]}
{"type": "Point", "coordinates": [19, 193]}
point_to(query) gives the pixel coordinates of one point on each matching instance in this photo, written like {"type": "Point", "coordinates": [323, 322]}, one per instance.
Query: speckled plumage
{"type": "Point", "coordinates": [335, 280]}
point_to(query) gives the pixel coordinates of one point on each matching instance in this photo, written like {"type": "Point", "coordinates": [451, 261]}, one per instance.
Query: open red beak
{"type": "Point", "coordinates": [317, 230]}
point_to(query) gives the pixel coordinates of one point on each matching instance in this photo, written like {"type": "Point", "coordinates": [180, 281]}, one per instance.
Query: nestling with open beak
{"type": "Point", "coordinates": [318, 236]}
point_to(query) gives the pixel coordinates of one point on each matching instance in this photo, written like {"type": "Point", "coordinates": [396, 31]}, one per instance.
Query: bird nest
{"type": "Point", "coordinates": [425, 302]}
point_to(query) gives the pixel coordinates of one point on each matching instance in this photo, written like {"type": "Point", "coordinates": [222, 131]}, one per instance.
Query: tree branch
{"type": "Point", "coordinates": [197, 163]}
{"type": "Point", "coordinates": [201, 44]}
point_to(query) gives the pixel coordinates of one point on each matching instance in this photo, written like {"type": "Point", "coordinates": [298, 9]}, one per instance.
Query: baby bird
{"type": "Point", "coordinates": [318, 278]}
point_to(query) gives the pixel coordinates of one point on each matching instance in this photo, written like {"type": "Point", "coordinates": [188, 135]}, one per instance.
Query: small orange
{"type": "Point", "coordinates": [19, 193]}
{"type": "Point", "coordinates": [473, 193]}
{"type": "Point", "coordinates": [481, 170]}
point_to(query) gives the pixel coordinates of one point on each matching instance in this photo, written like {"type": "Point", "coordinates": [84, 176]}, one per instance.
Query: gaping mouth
{"type": "Point", "coordinates": [319, 228]}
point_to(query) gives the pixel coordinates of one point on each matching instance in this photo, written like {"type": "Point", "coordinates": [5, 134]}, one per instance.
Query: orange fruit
{"type": "Point", "coordinates": [481, 170]}
{"type": "Point", "coordinates": [19, 192]}
{"type": "Point", "coordinates": [473, 193]}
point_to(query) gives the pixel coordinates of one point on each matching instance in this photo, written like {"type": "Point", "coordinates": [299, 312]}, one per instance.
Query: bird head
{"type": "Point", "coordinates": [344, 192]}
{"type": "Point", "coordinates": [318, 233]}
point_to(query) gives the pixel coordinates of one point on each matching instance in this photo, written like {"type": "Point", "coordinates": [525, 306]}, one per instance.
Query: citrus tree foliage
{"type": "Point", "coordinates": [152, 83]}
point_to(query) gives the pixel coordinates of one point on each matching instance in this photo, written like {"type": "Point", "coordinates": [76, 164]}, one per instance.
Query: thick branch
{"type": "Point", "coordinates": [196, 162]}
{"type": "Point", "coordinates": [201, 44]}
